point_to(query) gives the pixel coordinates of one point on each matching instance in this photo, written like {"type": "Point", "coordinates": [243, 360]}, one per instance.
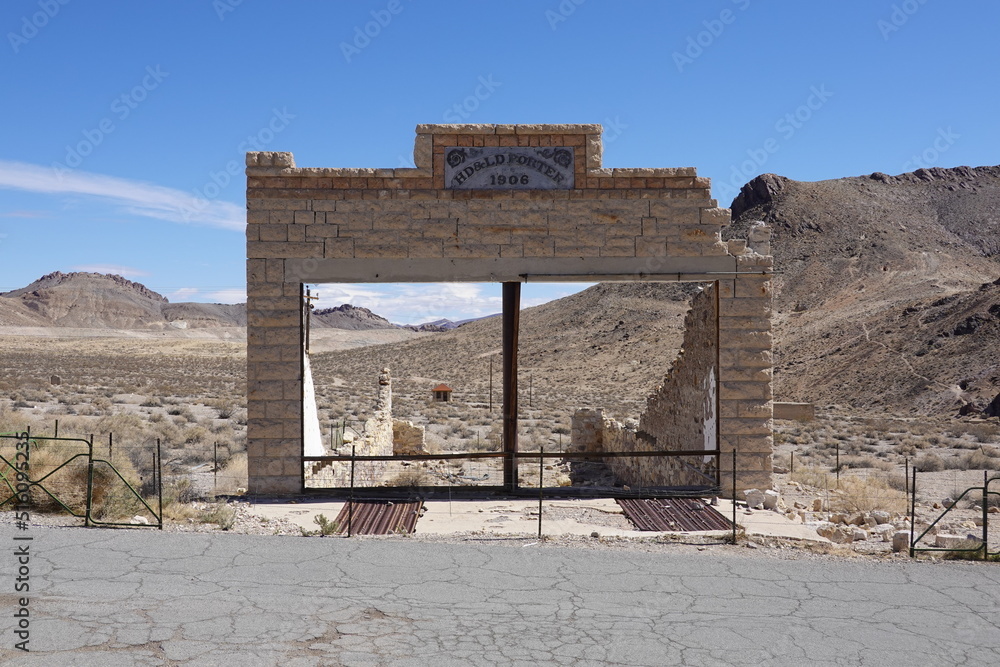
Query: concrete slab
{"type": "Point", "coordinates": [299, 513]}
{"type": "Point", "coordinates": [766, 523]}
{"type": "Point", "coordinates": [520, 517]}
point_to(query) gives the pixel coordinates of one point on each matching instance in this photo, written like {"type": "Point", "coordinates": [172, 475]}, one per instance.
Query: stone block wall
{"type": "Point", "coordinates": [304, 223]}
{"type": "Point", "coordinates": [407, 438]}
{"type": "Point", "coordinates": [681, 412]}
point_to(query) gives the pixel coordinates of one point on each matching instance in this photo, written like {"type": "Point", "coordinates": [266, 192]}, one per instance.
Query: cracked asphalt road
{"type": "Point", "coordinates": [134, 597]}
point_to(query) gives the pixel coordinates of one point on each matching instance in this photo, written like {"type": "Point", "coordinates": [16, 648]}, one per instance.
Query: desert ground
{"type": "Point", "coordinates": [187, 391]}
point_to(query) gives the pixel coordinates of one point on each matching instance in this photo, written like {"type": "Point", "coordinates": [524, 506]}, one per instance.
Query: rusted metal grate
{"type": "Point", "coordinates": [683, 514]}
{"type": "Point", "coordinates": [379, 517]}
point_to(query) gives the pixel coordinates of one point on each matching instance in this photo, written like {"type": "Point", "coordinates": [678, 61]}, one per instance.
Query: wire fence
{"type": "Point", "coordinates": [106, 481]}
{"type": "Point", "coordinates": [639, 473]}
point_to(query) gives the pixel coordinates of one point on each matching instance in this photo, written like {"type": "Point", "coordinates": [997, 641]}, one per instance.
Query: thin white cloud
{"type": "Point", "coordinates": [183, 294]}
{"type": "Point", "coordinates": [412, 303]}
{"type": "Point", "coordinates": [135, 197]}
{"type": "Point", "coordinates": [126, 271]}
{"type": "Point", "coordinates": [235, 295]}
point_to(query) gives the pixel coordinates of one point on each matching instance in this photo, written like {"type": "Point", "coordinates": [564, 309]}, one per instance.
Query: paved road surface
{"type": "Point", "coordinates": [141, 597]}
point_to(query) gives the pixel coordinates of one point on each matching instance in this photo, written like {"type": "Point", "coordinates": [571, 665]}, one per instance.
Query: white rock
{"type": "Point", "coordinates": [951, 541]}
{"type": "Point", "coordinates": [836, 533]}
{"type": "Point", "coordinates": [881, 516]}
{"type": "Point", "coordinates": [136, 520]}
{"type": "Point", "coordinates": [755, 498]}
{"type": "Point", "coordinates": [771, 499]}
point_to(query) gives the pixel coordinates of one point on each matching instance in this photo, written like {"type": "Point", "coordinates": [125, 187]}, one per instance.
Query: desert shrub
{"type": "Point", "coordinates": [983, 432]}
{"type": "Point", "coordinates": [969, 550]}
{"type": "Point", "coordinates": [118, 502]}
{"type": "Point", "coordinates": [866, 494]}
{"type": "Point", "coordinates": [233, 476]}
{"type": "Point", "coordinates": [811, 476]}
{"type": "Point", "coordinates": [929, 462]}
{"type": "Point", "coordinates": [64, 480]}
{"type": "Point", "coordinates": [980, 459]}
{"type": "Point", "coordinates": [326, 527]}
{"type": "Point", "coordinates": [176, 491]}
{"type": "Point", "coordinates": [221, 514]}
{"type": "Point", "coordinates": [225, 407]}
{"type": "Point", "coordinates": [151, 402]}
{"type": "Point", "coordinates": [856, 462]}
{"type": "Point", "coordinates": [897, 481]}
{"type": "Point", "coordinates": [196, 435]}
{"type": "Point", "coordinates": [410, 477]}
{"type": "Point", "coordinates": [127, 428]}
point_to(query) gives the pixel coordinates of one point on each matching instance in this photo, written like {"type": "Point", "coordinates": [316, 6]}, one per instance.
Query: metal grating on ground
{"type": "Point", "coordinates": [379, 517]}
{"type": "Point", "coordinates": [683, 514]}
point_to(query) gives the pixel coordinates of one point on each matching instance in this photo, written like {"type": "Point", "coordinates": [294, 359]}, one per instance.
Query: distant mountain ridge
{"type": "Point", "coordinates": [108, 301]}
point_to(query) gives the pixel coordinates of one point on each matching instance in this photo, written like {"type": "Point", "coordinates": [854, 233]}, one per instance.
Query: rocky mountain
{"type": "Point", "coordinates": [104, 301]}
{"type": "Point", "coordinates": [349, 317]}
{"type": "Point", "coordinates": [887, 295]}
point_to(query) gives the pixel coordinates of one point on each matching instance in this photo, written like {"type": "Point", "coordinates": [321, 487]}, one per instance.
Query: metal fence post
{"type": "Point", "coordinates": [986, 515]}
{"type": "Point", "coordinates": [90, 481]}
{"type": "Point", "coordinates": [913, 506]}
{"type": "Point", "coordinates": [350, 506]}
{"type": "Point", "coordinates": [541, 474]}
{"type": "Point", "coordinates": [159, 480]}
{"type": "Point", "coordinates": [734, 495]}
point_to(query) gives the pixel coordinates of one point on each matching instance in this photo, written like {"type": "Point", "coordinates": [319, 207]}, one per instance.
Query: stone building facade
{"type": "Point", "coordinates": [557, 214]}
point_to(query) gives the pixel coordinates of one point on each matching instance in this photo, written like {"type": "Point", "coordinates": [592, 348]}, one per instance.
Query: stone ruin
{"type": "Point", "coordinates": [509, 204]}
{"type": "Point", "coordinates": [382, 435]}
{"type": "Point", "coordinates": [680, 413]}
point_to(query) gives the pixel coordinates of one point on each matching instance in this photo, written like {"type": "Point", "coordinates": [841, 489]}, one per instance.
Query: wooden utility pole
{"type": "Point", "coordinates": [307, 304]}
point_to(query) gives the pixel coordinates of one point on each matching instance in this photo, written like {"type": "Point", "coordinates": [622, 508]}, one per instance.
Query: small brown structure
{"type": "Point", "coordinates": [442, 393]}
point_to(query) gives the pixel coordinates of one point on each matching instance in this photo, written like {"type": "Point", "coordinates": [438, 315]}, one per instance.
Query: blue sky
{"type": "Point", "coordinates": [125, 123]}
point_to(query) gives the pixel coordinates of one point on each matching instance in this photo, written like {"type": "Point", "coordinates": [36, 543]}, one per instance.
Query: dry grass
{"type": "Point", "coordinates": [867, 494]}
{"type": "Point", "coordinates": [62, 475]}
{"type": "Point", "coordinates": [233, 476]}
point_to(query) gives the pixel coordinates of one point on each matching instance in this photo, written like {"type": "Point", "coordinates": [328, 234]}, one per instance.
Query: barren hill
{"type": "Point", "coordinates": [104, 301]}
{"type": "Point", "coordinates": [608, 345]}
{"type": "Point", "coordinates": [351, 318]}
{"type": "Point", "coordinates": [886, 295]}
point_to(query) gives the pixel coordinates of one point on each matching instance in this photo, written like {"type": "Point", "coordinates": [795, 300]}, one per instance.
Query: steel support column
{"type": "Point", "coordinates": [511, 322]}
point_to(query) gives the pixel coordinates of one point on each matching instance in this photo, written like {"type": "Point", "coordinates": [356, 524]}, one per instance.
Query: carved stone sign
{"type": "Point", "coordinates": [513, 168]}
